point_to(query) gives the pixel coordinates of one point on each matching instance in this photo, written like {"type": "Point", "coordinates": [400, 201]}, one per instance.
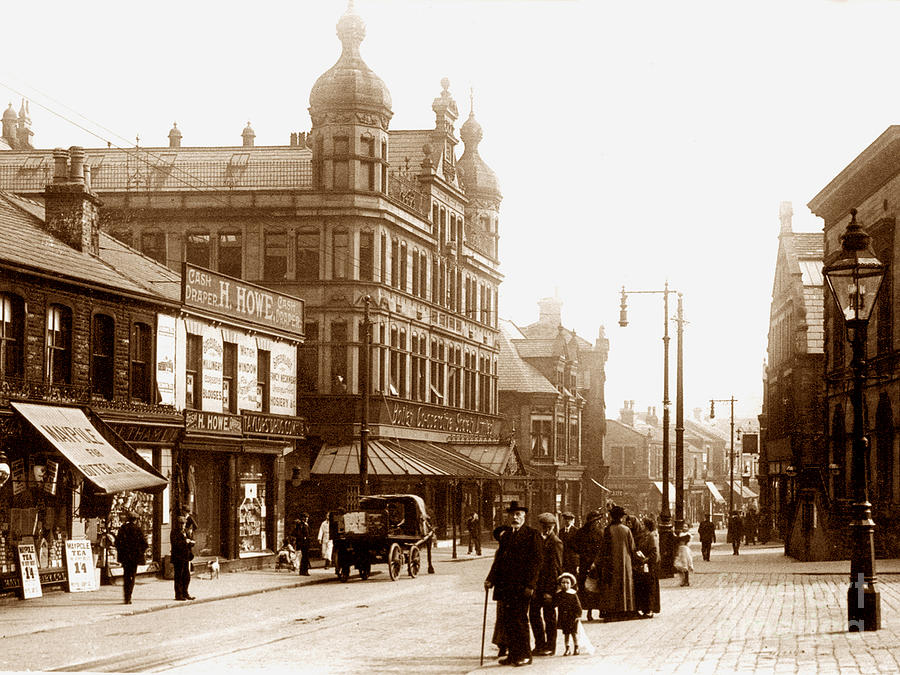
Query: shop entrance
{"type": "Point", "coordinates": [210, 479]}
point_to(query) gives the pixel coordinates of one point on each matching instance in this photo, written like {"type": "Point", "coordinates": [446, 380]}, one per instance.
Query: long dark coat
{"type": "Point", "coordinates": [517, 563]}
{"type": "Point", "coordinates": [614, 562]}
{"type": "Point", "coordinates": [735, 529]}
{"type": "Point", "coordinates": [590, 542]}
{"type": "Point", "coordinates": [551, 566]}
{"type": "Point", "coordinates": [570, 552]}
{"type": "Point", "coordinates": [646, 584]}
{"type": "Point", "coordinates": [181, 550]}
{"type": "Point", "coordinates": [130, 544]}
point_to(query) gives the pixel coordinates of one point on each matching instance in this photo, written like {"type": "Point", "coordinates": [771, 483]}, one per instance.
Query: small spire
{"type": "Point", "coordinates": [471, 101]}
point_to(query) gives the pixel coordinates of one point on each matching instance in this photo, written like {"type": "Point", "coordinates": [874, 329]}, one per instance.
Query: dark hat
{"type": "Point", "coordinates": [616, 512]}
{"type": "Point", "coordinates": [515, 506]}
{"type": "Point", "coordinates": [547, 518]}
{"type": "Point", "coordinates": [596, 514]}
{"type": "Point", "coordinates": [568, 514]}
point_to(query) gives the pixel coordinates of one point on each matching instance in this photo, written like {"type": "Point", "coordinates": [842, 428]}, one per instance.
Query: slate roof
{"type": "Point", "coordinates": [24, 243]}
{"type": "Point", "coordinates": [809, 244]}
{"type": "Point", "coordinates": [514, 373]}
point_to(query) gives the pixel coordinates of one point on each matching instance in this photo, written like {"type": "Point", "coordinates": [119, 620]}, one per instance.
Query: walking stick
{"type": "Point", "coordinates": [483, 627]}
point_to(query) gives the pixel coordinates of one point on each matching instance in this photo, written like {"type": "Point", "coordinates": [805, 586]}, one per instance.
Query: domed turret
{"type": "Point", "coordinates": [475, 175]}
{"type": "Point", "coordinates": [9, 126]}
{"type": "Point", "coordinates": [350, 84]}
{"type": "Point", "coordinates": [248, 136]}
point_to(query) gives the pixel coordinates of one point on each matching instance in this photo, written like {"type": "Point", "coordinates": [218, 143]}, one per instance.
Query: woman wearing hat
{"type": "Point", "coordinates": [614, 563]}
{"type": "Point", "coordinates": [589, 541]}
{"type": "Point", "coordinates": [514, 577]}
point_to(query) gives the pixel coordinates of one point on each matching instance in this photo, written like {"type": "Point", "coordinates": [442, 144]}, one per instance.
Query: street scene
{"type": "Point", "coordinates": [444, 336]}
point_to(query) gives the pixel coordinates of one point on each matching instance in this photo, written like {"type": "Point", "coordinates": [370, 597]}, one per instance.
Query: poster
{"type": "Point", "coordinates": [18, 476]}
{"type": "Point", "coordinates": [80, 566]}
{"type": "Point", "coordinates": [165, 358]}
{"type": "Point", "coordinates": [28, 571]}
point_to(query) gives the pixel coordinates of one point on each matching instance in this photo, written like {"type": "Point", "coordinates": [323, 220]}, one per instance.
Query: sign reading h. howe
{"type": "Point", "coordinates": [80, 566]}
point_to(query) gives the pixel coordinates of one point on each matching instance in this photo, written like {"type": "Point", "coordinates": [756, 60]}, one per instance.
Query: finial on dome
{"type": "Point", "coordinates": [471, 101]}
{"type": "Point", "coordinates": [351, 30]}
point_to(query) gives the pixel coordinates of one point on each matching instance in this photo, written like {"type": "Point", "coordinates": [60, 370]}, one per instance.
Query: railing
{"type": "Point", "coordinates": [12, 388]}
{"type": "Point", "coordinates": [405, 191]}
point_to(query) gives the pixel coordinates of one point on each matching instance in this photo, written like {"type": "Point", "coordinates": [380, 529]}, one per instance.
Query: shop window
{"type": "Point", "coordinates": [340, 250]}
{"type": "Point", "coordinates": [59, 345]}
{"type": "Point", "coordinates": [309, 359]}
{"type": "Point", "coordinates": [540, 437]}
{"type": "Point", "coordinates": [308, 254]}
{"type": "Point", "coordinates": [366, 256]}
{"type": "Point", "coordinates": [12, 331]}
{"type": "Point", "coordinates": [196, 249]}
{"type": "Point", "coordinates": [229, 377]}
{"type": "Point", "coordinates": [231, 254]}
{"type": "Point", "coordinates": [253, 507]}
{"type": "Point", "coordinates": [338, 357]}
{"type": "Point", "coordinates": [263, 359]}
{"type": "Point", "coordinates": [275, 257]}
{"type": "Point", "coordinates": [194, 372]}
{"type": "Point", "coordinates": [141, 361]}
{"type": "Point", "coordinates": [153, 245]}
{"type": "Point", "coordinates": [103, 341]}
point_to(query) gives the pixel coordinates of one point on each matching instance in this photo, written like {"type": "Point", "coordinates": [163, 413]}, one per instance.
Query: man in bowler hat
{"type": "Point", "coordinates": [514, 577]}
{"type": "Point", "coordinates": [131, 544]}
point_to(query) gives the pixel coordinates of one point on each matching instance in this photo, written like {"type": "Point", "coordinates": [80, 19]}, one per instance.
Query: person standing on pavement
{"type": "Point", "coordinates": [588, 541]}
{"type": "Point", "coordinates": [646, 578]}
{"type": "Point", "coordinates": [735, 532]}
{"type": "Point", "coordinates": [614, 564]}
{"type": "Point", "coordinates": [707, 534]}
{"type": "Point", "coordinates": [750, 525]}
{"type": "Point", "coordinates": [567, 536]}
{"type": "Point", "coordinates": [182, 554]}
{"type": "Point", "coordinates": [498, 637]}
{"type": "Point", "coordinates": [131, 544]}
{"type": "Point", "coordinates": [324, 539]}
{"type": "Point", "coordinates": [514, 576]}
{"type": "Point", "coordinates": [301, 542]}
{"type": "Point", "coordinates": [542, 613]}
{"type": "Point", "coordinates": [473, 525]}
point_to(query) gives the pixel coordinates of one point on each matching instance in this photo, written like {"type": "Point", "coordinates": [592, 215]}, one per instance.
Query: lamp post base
{"type": "Point", "coordinates": [863, 607]}
{"type": "Point", "coordinates": [666, 549]}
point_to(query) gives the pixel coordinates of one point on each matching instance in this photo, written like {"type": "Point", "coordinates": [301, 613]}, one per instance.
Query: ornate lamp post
{"type": "Point", "coordinates": [854, 278]}
{"type": "Point", "coordinates": [666, 534]}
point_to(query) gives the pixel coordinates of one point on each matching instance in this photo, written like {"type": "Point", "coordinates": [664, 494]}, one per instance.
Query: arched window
{"type": "Point", "coordinates": [59, 345]}
{"type": "Point", "coordinates": [103, 340]}
{"type": "Point", "coordinates": [196, 248]}
{"type": "Point", "coordinates": [141, 361]}
{"type": "Point", "coordinates": [12, 331]}
{"type": "Point", "coordinates": [231, 254]}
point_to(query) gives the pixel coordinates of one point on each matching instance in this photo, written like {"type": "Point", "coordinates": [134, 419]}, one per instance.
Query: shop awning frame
{"type": "Point", "coordinates": [94, 450]}
{"type": "Point", "coordinates": [398, 457]}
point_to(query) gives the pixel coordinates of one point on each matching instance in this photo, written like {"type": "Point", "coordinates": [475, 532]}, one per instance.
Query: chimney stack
{"type": "Point", "coordinates": [72, 210]}
{"type": "Point", "coordinates": [785, 214]}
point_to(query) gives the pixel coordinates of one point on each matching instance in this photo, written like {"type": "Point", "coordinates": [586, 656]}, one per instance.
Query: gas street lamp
{"type": "Point", "coordinates": [854, 278]}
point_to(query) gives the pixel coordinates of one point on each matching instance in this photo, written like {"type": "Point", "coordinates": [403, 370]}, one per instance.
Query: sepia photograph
{"type": "Point", "coordinates": [446, 336]}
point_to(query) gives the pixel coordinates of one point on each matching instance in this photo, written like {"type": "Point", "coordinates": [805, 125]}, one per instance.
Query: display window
{"type": "Point", "coordinates": [252, 505]}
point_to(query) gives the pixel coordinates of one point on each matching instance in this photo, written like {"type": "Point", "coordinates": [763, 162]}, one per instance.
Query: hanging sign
{"type": "Point", "coordinates": [80, 566]}
{"type": "Point", "coordinates": [18, 476]}
{"type": "Point", "coordinates": [28, 571]}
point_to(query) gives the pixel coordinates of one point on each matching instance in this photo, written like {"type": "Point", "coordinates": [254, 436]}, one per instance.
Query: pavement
{"type": "Point", "coordinates": [59, 609]}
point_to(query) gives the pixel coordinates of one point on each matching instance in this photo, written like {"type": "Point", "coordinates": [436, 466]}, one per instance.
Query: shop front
{"type": "Point", "coordinates": [229, 476]}
{"type": "Point", "coordinates": [68, 472]}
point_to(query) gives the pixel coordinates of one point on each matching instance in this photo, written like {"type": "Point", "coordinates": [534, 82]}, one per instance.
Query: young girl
{"type": "Point", "coordinates": [684, 561]}
{"type": "Point", "coordinates": [569, 609]}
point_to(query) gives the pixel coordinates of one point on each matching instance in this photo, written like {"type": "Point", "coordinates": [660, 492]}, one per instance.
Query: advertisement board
{"type": "Point", "coordinates": [28, 571]}
{"type": "Point", "coordinates": [80, 566]}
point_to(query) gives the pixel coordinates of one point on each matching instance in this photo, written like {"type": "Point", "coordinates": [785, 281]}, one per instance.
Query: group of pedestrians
{"type": "Point", "coordinates": [544, 580]}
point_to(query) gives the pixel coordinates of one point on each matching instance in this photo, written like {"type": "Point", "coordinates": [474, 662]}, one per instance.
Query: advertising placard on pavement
{"type": "Point", "coordinates": [80, 566]}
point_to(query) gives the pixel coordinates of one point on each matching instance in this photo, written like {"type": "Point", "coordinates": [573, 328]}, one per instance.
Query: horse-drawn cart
{"type": "Point", "coordinates": [387, 528]}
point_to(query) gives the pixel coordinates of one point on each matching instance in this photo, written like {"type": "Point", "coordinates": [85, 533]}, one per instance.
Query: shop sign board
{"type": "Point", "coordinates": [28, 571]}
{"type": "Point", "coordinates": [165, 358]}
{"type": "Point", "coordinates": [436, 418]}
{"type": "Point", "coordinates": [80, 566]}
{"type": "Point", "coordinates": [273, 425]}
{"type": "Point", "coordinates": [212, 423]}
{"type": "Point", "coordinates": [207, 290]}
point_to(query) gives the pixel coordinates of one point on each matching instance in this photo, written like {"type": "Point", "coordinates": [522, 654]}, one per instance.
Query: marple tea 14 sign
{"type": "Point", "coordinates": [28, 571]}
{"type": "Point", "coordinates": [80, 566]}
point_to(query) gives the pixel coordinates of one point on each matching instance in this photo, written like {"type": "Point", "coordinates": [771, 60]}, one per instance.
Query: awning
{"type": "Point", "coordinates": [659, 487]}
{"type": "Point", "coordinates": [495, 457]}
{"type": "Point", "coordinates": [714, 491]}
{"type": "Point", "coordinates": [79, 441]}
{"type": "Point", "coordinates": [602, 487]}
{"type": "Point", "coordinates": [398, 458]}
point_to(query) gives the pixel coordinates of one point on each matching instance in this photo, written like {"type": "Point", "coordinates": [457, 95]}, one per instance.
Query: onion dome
{"type": "Point", "coordinates": [248, 135]}
{"type": "Point", "coordinates": [474, 173]}
{"type": "Point", "coordinates": [9, 114]}
{"type": "Point", "coordinates": [350, 84]}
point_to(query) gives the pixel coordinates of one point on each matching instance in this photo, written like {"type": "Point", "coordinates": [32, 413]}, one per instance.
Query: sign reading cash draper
{"type": "Point", "coordinates": [80, 566]}
{"type": "Point", "coordinates": [226, 295]}
{"type": "Point", "coordinates": [28, 571]}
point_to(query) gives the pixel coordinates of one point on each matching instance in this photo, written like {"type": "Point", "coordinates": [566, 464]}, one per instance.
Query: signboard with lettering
{"type": "Point", "coordinates": [212, 369]}
{"type": "Point", "coordinates": [212, 423]}
{"type": "Point", "coordinates": [210, 291]}
{"type": "Point", "coordinates": [80, 566]}
{"type": "Point", "coordinates": [260, 424]}
{"type": "Point", "coordinates": [283, 380]}
{"type": "Point", "coordinates": [436, 418]}
{"type": "Point", "coordinates": [165, 358]}
{"type": "Point", "coordinates": [18, 476]}
{"type": "Point", "coordinates": [28, 571]}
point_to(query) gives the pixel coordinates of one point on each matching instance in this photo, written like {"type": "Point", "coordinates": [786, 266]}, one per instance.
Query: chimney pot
{"type": "Point", "coordinates": [60, 165]}
{"type": "Point", "coordinates": [76, 164]}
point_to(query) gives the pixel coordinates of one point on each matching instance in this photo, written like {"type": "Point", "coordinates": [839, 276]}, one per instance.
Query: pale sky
{"type": "Point", "coordinates": [634, 141]}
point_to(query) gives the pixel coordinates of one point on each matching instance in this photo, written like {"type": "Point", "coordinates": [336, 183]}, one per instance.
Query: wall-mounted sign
{"type": "Point", "coordinates": [165, 358]}
{"type": "Point", "coordinates": [435, 418]}
{"type": "Point", "coordinates": [212, 423]}
{"type": "Point", "coordinates": [260, 424]}
{"type": "Point", "coordinates": [80, 566]}
{"type": "Point", "coordinates": [238, 299]}
{"type": "Point", "coordinates": [18, 476]}
{"type": "Point", "coordinates": [28, 571]}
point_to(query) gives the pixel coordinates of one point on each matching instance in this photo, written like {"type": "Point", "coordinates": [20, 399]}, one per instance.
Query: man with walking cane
{"type": "Point", "coordinates": [514, 577]}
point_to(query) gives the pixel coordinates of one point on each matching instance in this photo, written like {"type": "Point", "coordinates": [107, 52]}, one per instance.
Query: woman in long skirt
{"type": "Point", "coordinates": [646, 581]}
{"type": "Point", "coordinates": [590, 542]}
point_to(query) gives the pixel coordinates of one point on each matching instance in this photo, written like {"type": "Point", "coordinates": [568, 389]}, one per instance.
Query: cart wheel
{"type": "Point", "coordinates": [395, 561]}
{"type": "Point", "coordinates": [415, 561]}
